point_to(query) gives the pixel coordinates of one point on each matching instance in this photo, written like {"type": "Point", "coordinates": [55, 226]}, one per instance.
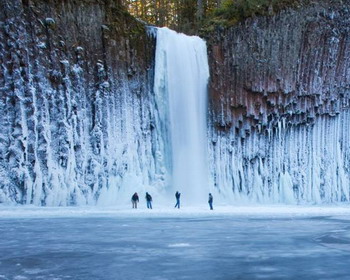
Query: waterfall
{"type": "Point", "coordinates": [181, 77]}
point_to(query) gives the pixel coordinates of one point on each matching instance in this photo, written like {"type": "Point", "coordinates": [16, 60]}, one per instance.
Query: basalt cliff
{"type": "Point", "coordinates": [279, 96]}
{"type": "Point", "coordinates": [79, 123]}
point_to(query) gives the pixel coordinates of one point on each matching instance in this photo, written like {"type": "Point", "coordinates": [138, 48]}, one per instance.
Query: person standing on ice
{"type": "Point", "coordinates": [177, 196]}
{"type": "Point", "coordinates": [210, 201]}
{"type": "Point", "coordinates": [134, 200]}
{"type": "Point", "coordinates": [149, 200]}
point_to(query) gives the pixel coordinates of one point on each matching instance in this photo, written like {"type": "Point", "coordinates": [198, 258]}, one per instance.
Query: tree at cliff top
{"type": "Point", "coordinates": [191, 15]}
{"type": "Point", "coordinates": [184, 15]}
{"type": "Point", "coordinates": [231, 11]}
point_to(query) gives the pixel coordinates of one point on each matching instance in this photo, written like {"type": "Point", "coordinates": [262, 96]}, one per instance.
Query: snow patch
{"type": "Point", "coordinates": [179, 245]}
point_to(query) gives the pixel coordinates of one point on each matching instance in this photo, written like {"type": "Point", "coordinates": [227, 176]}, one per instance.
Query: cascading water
{"type": "Point", "coordinates": [181, 78]}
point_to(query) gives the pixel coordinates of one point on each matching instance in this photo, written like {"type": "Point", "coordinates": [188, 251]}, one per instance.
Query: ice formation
{"type": "Point", "coordinates": [74, 137]}
{"type": "Point", "coordinates": [292, 164]}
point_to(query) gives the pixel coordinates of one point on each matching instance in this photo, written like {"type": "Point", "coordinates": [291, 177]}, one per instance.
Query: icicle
{"type": "Point", "coordinates": [297, 164]}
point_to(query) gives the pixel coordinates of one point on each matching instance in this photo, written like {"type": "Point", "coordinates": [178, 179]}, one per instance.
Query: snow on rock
{"type": "Point", "coordinates": [74, 128]}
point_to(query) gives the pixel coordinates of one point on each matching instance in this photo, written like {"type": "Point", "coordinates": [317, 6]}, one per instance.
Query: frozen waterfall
{"type": "Point", "coordinates": [181, 77]}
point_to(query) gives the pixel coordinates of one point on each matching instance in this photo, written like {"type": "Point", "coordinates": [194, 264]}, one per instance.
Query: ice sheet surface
{"type": "Point", "coordinates": [260, 242]}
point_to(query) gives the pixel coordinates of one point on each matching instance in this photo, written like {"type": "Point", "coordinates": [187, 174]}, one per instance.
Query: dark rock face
{"type": "Point", "coordinates": [279, 105]}
{"type": "Point", "coordinates": [75, 108]}
{"type": "Point", "coordinates": [293, 65]}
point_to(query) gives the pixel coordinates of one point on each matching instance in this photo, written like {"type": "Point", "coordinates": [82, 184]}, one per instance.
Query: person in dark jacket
{"type": "Point", "coordinates": [210, 201]}
{"type": "Point", "coordinates": [134, 200]}
{"type": "Point", "coordinates": [149, 200]}
{"type": "Point", "coordinates": [177, 196]}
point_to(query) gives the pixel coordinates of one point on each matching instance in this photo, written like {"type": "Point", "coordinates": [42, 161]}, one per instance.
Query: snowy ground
{"type": "Point", "coordinates": [261, 242]}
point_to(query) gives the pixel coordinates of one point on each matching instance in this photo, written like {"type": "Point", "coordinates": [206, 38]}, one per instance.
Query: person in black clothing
{"type": "Point", "coordinates": [210, 201]}
{"type": "Point", "coordinates": [177, 196]}
{"type": "Point", "coordinates": [134, 200]}
{"type": "Point", "coordinates": [149, 200]}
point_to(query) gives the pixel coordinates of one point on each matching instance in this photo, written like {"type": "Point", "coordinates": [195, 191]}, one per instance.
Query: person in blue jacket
{"type": "Point", "coordinates": [149, 200]}
{"type": "Point", "coordinates": [210, 201]}
{"type": "Point", "coordinates": [177, 196]}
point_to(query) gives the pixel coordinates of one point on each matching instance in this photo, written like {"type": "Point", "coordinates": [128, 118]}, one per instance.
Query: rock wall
{"type": "Point", "coordinates": [79, 123]}
{"type": "Point", "coordinates": [279, 101]}
{"type": "Point", "coordinates": [75, 102]}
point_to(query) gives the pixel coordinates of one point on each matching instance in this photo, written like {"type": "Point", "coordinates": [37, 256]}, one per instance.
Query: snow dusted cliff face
{"type": "Point", "coordinates": [280, 121]}
{"type": "Point", "coordinates": [75, 103]}
{"type": "Point", "coordinates": [80, 121]}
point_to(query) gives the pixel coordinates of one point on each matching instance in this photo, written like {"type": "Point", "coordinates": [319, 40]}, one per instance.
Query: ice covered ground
{"type": "Point", "coordinates": [255, 242]}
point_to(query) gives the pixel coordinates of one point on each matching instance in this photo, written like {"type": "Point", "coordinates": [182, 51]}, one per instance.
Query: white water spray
{"type": "Point", "coordinates": [181, 78]}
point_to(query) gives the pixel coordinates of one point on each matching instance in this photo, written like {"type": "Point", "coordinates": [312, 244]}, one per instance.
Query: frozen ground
{"type": "Point", "coordinates": [262, 242]}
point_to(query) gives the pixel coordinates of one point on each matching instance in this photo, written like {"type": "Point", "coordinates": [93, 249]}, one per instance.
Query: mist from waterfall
{"type": "Point", "coordinates": [181, 77]}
